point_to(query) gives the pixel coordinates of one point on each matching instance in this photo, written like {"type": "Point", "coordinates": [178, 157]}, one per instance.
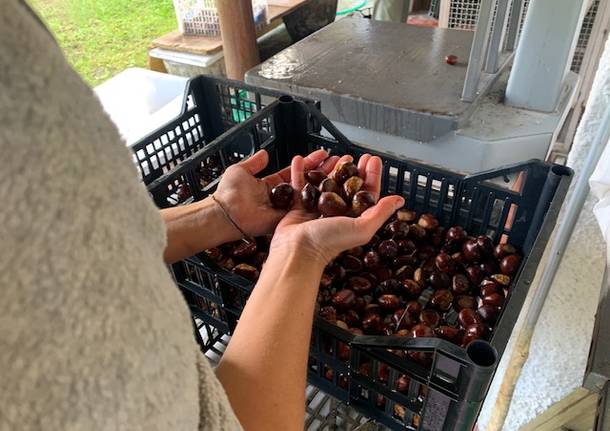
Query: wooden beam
{"type": "Point", "coordinates": [238, 36]}
{"type": "Point", "coordinates": [576, 410]}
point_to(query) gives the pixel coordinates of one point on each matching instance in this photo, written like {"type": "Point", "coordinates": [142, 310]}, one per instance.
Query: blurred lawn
{"type": "Point", "coordinates": [102, 37]}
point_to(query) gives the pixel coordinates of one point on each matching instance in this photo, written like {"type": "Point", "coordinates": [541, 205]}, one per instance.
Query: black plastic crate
{"type": "Point", "coordinates": [519, 203]}
{"type": "Point", "coordinates": [211, 106]}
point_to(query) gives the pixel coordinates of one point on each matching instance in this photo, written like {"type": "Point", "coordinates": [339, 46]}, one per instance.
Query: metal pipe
{"type": "Point", "coordinates": [564, 231]}
{"type": "Point", "coordinates": [497, 36]}
{"type": "Point", "coordinates": [514, 25]}
{"type": "Point", "coordinates": [477, 51]}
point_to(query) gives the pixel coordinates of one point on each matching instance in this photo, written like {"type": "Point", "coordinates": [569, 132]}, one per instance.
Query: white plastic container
{"type": "Point", "coordinates": [200, 17]}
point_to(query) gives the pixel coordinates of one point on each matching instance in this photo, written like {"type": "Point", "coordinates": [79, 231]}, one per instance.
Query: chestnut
{"type": "Point", "coordinates": [331, 205]}
{"type": "Point", "coordinates": [344, 299]}
{"type": "Point", "coordinates": [412, 288]}
{"type": "Point", "coordinates": [341, 324]}
{"type": "Point", "coordinates": [467, 317]}
{"type": "Point", "coordinates": [488, 266]}
{"type": "Point", "coordinates": [371, 260]}
{"type": "Point", "coordinates": [430, 318]}
{"type": "Point", "coordinates": [485, 245]}
{"type": "Point", "coordinates": [390, 285]}
{"type": "Point", "coordinates": [372, 309]}
{"type": "Point", "coordinates": [352, 186]}
{"type": "Point", "coordinates": [398, 229]}
{"type": "Point", "coordinates": [214, 254]}
{"type": "Point", "coordinates": [228, 263]}
{"type": "Point", "coordinates": [473, 332]}
{"type": "Point", "coordinates": [451, 59]}
{"type": "Point", "coordinates": [405, 245]}
{"type": "Point", "coordinates": [422, 330]}
{"type": "Point", "coordinates": [387, 329]}
{"type": "Point", "coordinates": [465, 301]}
{"type": "Point", "coordinates": [315, 177]}
{"type": "Point", "coordinates": [413, 308]}
{"type": "Point", "coordinates": [351, 263]}
{"type": "Point", "coordinates": [326, 280]}
{"type": "Point", "coordinates": [471, 251]}
{"type": "Point", "coordinates": [247, 271]}
{"type": "Point", "coordinates": [439, 280]}
{"type": "Point", "coordinates": [389, 302]}
{"type": "Point", "coordinates": [458, 258]}
{"type": "Point", "coordinates": [489, 313]}
{"type": "Point", "coordinates": [406, 215]}
{"type": "Point", "coordinates": [474, 274]}
{"type": "Point", "coordinates": [455, 234]}
{"type": "Point", "coordinates": [388, 249]}
{"type": "Point", "coordinates": [428, 221]}
{"type": "Point", "coordinates": [448, 333]}
{"type": "Point", "coordinates": [336, 271]}
{"type": "Point", "coordinates": [460, 284]}
{"type": "Point", "coordinates": [183, 192]}
{"type": "Point", "coordinates": [444, 263]}
{"type": "Point", "coordinates": [356, 331]}
{"type": "Point", "coordinates": [362, 201]}
{"type": "Point", "coordinates": [437, 237]}
{"type": "Point", "coordinates": [369, 276]}
{"type": "Point", "coordinates": [489, 289]}
{"type": "Point", "coordinates": [360, 285]}
{"type": "Point", "coordinates": [357, 251]}
{"type": "Point", "coordinates": [402, 319]}
{"type": "Point", "coordinates": [382, 273]}
{"type": "Point", "coordinates": [282, 196]}
{"type": "Point", "coordinates": [329, 185]}
{"type": "Point", "coordinates": [510, 264]}
{"type": "Point", "coordinates": [416, 232]}
{"type": "Point", "coordinates": [404, 272]}
{"type": "Point", "coordinates": [442, 299]}
{"type": "Point", "coordinates": [503, 250]}
{"type": "Point", "coordinates": [372, 324]}
{"type": "Point", "coordinates": [244, 249]}
{"type": "Point", "coordinates": [495, 299]}
{"type": "Point", "coordinates": [501, 279]}
{"type": "Point", "coordinates": [309, 197]}
{"type": "Point", "coordinates": [328, 313]}
{"type": "Point", "coordinates": [427, 253]}
{"type": "Point", "coordinates": [420, 276]}
{"type": "Point", "coordinates": [403, 333]}
{"type": "Point", "coordinates": [343, 171]}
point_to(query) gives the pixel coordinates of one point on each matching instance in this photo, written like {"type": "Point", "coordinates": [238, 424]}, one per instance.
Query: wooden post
{"type": "Point", "coordinates": [238, 36]}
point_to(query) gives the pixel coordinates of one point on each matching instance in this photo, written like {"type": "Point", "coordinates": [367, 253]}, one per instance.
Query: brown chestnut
{"type": "Point", "coordinates": [372, 324]}
{"type": "Point", "coordinates": [451, 59]}
{"type": "Point", "coordinates": [495, 299]}
{"type": "Point", "coordinates": [329, 185]}
{"type": "Point", "coordinates": [371, 260]}
{"type": "Point", "coordinates": [360, 285]}
{"type": "Point", "coordinates": [343, 171]}
{"type": "Point", "coordinates": [503, 250]}
{"type": "Point", "coordinates": [444, 263]}
{"type": "Point", "coordinates": [474, 274]}
{"type": "Point", "coordinates": [439, 280]}
{"type": "Point", "coordinates": [448, 333]}
{"type": "Point", "coordinates": [362, 201]}
{"type": "Point", "coordinates": [455, 234]}
{"type": "Point", "coordinates": [488, 266]}
{"type": "Point", "coordinates": [471, 251]}
{"type": "Point", "coordinates": [489, 313]}
{"type": "Point", "coordinates": [510, 264]}
{"type": "Point", "coordinates": [413, 308]}
{"type": "Point", "coordinates": [402, 384]}
{"type": "Point", "coordinates": [382, 273]}
{"type": "Point", "coordinates": [214, 253]}
{"type": "Point", "coordinates": [341, 324]}
{"type": "Point", "coordinates": [442, 299]}
{"type": "Point", "coordinates": [389, 302]}
{"type": "Point", "coordinates": [356, 251]}
{"type": "Point", "coordinates": [344, 299]}
{"type": "Point", "coordinates": [388, 249]}
{"type": "Point", "coordinates": [428, 221]}
{"type": "Point", "coordinates": [467, 317]}
{"type": "Point", "coordinates": [404, 272]}
{"type": "Point", "coordinates": [473, 332]}
{"type": "Point", "coordinates": [328, 313]}
{"type": "Point", "coordinates": [315, 177]}
{"type": "Point", "coordinates": [412, 288]}
{"type": "Point", "coordinates": [460, 284]}
{"type": "Point", "coordinates": [390, 285]}
{"type": "Point", "coordinates": [416, 232]}
{"type": "Point", "coordinates": [336, 271]}
{"type": "Point", "coordinates": [331, 205]}
{"type": "Point", "coordinates": [352, 186]}
{"type": "Point", "coordinates": [244, 249]}
{"type": "Point", "coordinates": [488, 287]}
{"type": "Point", "coordinates": [402, 319]}
{"type": "Point", "coordinates": [282, 196]}
{"type": "Point", "coordinates": [465, 301]}
{"type": "Point", "coordinates": [406, 215]}
{"type": "Point", "coordinates": [309, 197]}
{"type": "Point", "coordinates": [351, 263]}
{"type": "Point", "coordinates": [422, 330]}
{"type": "Point", "coordinates": [351, 318]}
{"type": "Point", "coordinates": [246, 271]}
{"type": "Point", "coordinates": [398, 229]}
{"type": "Point", "coordinates": [501, 279]}
{"type": "Point", "coordinates": [359, 304]}
{"type": "Point", "coordinates": [405, 245]}
{"type": "Point", "coordinates": [485, 245]}
{"type": "Point", "coordinates": [430, 318]}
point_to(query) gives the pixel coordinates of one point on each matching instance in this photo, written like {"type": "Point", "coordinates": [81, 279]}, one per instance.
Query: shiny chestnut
{"type": "Point", "coordinates": [362, 201]}
{"type": "Point", "coordinates": [315, 177]}
{"type": "Point", "coordinates": [331, 205]}
{"type": "Point", "coordinates": [309, 197]}
{"type": "Point", "coordinates": [282, 196]}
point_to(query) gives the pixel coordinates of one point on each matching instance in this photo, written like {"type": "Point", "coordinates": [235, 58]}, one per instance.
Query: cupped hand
{"type": "Point", "coordinates": [247, 197]}
{"type": "Point", "coordinates": [324, 238]}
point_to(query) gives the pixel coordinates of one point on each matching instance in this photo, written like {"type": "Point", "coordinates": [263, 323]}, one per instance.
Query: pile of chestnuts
{"type": "Point", "coordinates": [338, 194]}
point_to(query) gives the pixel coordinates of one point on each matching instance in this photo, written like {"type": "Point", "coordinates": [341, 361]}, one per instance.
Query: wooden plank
{"type": "Point", "coordinates": [203, 45]}
{"type": "Point", "coordinates": [571, 409]}
{"type": "Point", "coordinates": [443, 15]}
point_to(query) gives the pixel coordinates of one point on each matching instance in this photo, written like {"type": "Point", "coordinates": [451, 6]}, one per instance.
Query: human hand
{"type": "Point", "coordinates": [247, 198]}
{"type": "Point", "coordinates": [324, 238]}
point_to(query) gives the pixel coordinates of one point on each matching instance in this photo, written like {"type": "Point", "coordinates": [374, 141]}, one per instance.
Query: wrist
{"type": "Point", "coordinates": [214, 222]}
{"type": "Point", "coordinates": [299, 250]}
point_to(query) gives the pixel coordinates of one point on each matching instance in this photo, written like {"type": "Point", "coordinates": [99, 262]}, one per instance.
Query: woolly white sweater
{"type": "Point", "coordinates": [93, 333]}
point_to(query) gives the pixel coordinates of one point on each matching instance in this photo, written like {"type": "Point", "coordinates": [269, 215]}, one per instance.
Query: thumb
{"type": "Point", "coordinates": [373, 218]}
{"type": "Point", "coordinates": [256, 162]}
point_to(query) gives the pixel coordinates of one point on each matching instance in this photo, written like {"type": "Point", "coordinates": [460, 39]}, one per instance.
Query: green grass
{"type": "Point", "coordinates": [102, 37]}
